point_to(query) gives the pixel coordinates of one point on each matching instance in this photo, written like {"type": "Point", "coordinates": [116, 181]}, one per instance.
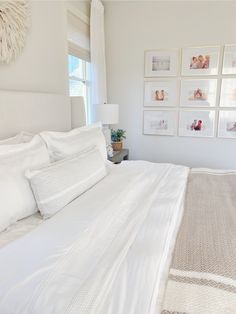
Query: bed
{"type": "Point", "coordinates": [146, 238]}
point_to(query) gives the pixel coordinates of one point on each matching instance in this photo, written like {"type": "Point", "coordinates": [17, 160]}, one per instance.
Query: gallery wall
{"type": "Point", "coordinates": [135, 26]}
{"type": "Point", "coordinates": [42, 65]}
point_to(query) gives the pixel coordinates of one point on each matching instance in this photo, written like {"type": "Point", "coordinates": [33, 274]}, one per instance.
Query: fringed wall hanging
{"type": "Point", "coordinates": [14, 24]}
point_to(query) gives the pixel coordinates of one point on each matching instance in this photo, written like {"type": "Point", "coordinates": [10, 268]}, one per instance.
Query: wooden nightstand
{"type": "Point", "coordinates": [120, 155]}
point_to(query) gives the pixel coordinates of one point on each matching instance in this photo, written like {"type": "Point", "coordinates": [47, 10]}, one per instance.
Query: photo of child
{"type": "Point", "coordinates": [159, 125]}
{"type": "Point", "coordinates": [231, 126]}
{"type": "Point", "coordinates": [161, 63]}
{"type": "Point", "coordinates": [199, 62]}
{"type": "Point", "coordinates": [198, 94]}
{"type": "Point", "coordinates": [160, 95]}
{"type": "Point", "coordinates": [197, 125]}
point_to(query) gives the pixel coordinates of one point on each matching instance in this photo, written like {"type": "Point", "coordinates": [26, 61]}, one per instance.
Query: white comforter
{"type": "Point", "coordinates": [106, 252]}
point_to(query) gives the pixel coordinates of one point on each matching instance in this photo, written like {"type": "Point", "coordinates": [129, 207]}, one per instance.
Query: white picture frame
{"type": "Point", "coordinates": [197, 123]}
{"type": "Point", "coordinates": [198, 93]}
{"type": "Point", "coordinates": [228, 93]}
{"type": "Point", "coordinates": [229, 60]}
{"type": "Point", "coordinates": [161, 63]}
{"type": "Point", "coordinates": [160, 93]}
{"type": "Point", "coordinates": [227, 124]}
{"type": "Point", "coordinates": [159, 122]}
{"type": "Point", "coordinates": [200, 61]}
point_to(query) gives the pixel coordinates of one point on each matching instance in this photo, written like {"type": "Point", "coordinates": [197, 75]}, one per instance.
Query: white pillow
{"type": "Point", "coordinates": [64, 144]}
{"type": "Point", "coordinates": [59, 183]}
{"type": "Point", "coordinates": [16, 197]}
{"type": "Point", "coordinates": [22, 137]}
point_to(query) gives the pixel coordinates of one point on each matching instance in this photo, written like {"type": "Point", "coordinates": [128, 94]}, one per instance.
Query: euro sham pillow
{"type": "Point", "coordinates": [16, 196]}
{"type": "Point", "coordinates": [58, 184]}
{"type": "Point", "coordinates": [22, 137]}
{"type": "Point", "coordinates": [63, 144]}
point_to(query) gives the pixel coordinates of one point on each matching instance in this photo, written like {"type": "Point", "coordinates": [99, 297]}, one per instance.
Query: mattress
{"type": "Point", "coordinates": [105, 252]}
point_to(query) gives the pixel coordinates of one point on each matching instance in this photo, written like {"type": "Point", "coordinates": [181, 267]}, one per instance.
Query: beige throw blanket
{"type": "Point", "coordinates": [202, 277]}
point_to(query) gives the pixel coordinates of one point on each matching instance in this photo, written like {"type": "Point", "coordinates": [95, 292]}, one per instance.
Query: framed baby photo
{"type": "Point", "coordinates": [198, 92]}
{"type": "Point", "coordinates": [159, 122]}
{"type": "Point", "coordinates": [229, 62]}
{"type": "Point", "coordinates": [200, 61]}
{"type": "Point", "coordinates": [227, 124]}
{"type": "Point", "coordinates": [197, 123]}
{"type": "Point", "coordinates": [161, 93]}
{"type": "Point", "coordinates": [228, 93]}
{"type": "Point", "coordinates": [159, 63]}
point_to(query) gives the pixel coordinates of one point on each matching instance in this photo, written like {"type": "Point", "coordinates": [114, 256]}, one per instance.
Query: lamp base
{"type": "Point", "coordinates": [107, 134]}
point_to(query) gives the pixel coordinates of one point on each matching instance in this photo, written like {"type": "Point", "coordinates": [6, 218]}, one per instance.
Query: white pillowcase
{"type": "Point", "coordinates": [64, 144]}
{"type": "Point", "coordinates": [16, 197]}
{"type": "Point", "coordinates": [61, 182]}
{"type": "Point", "coordinates": [22, 137]}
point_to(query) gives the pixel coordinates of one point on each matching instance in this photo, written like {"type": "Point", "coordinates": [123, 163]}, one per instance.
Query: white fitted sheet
{"type": "Point", "coordinates": [106, 252]}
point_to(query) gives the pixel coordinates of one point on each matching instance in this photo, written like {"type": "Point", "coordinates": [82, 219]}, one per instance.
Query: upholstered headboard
{"type": "Point", "coordinates": [35, 112]}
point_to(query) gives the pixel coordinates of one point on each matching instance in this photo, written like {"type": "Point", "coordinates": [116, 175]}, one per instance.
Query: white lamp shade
{"type": "Point", "coordinates": [107, 113]}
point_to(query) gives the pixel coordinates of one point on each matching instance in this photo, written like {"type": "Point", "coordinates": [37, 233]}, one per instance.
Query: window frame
{"type": "Point", "coordinates": [85, 80]}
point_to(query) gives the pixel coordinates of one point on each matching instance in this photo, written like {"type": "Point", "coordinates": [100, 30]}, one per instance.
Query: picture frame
{"type": "Point", "coordinates": [200, 61]}
{"type": "Point", "coordinates": [198, 93]}
{"type": "Point", "coordinates": [228, 92]}
{"type": "Point", "coordinates": [197, 123]}
{"type": "Point", "coordinates": [227, 124]}
{"type": "Point", "coordinates": [159, 122]}
{"type": "Point", "coordinates": [161, 63]}
{"type": "Point", "coordinates": [160, 93]}
{"type": "Point", "coordinates": [229, 60]}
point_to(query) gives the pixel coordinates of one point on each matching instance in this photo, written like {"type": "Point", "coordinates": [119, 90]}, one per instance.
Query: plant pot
{"type": "Point", "coordinates": [117, 146]}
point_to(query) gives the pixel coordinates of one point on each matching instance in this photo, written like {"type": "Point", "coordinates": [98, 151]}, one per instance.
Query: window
{"type": "Point", "coordinates": [79, 79]}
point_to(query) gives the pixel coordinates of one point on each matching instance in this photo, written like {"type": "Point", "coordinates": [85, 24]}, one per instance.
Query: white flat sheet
{"type": "Point", "coordinates": [19, 229]}
{"type": "Point", "coordinates": [105, 252]}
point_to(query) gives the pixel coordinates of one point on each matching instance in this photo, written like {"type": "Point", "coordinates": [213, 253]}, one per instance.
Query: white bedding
{"type": "Point", "coordinates": [20, 228]}
{"type": "Point", "coordinates": [106, 252]}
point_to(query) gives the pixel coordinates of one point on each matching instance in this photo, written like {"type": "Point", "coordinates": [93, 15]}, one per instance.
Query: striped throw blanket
{"type": "Point", "coordinates": [202, 277]}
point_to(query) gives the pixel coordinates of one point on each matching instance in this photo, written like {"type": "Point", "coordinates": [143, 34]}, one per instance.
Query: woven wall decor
{"type": "Point", "coordinates": [14, 24]}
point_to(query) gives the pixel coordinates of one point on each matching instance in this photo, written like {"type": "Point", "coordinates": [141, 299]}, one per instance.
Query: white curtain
{"type": "Point", "coordinates": [98, 59]}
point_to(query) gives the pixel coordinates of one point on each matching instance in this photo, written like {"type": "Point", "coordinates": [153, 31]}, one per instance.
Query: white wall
{"type": "Point", "coordinates": [42, 66]}
{"type": "Point", "coordinates": [135, 26]}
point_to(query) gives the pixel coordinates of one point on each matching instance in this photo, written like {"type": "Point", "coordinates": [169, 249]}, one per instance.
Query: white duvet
{"type": "Point", "coordinates": [106, 252]}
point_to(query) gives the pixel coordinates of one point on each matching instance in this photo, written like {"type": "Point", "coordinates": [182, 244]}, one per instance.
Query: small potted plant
{"type": "Point", "coordinates": [117, 137]}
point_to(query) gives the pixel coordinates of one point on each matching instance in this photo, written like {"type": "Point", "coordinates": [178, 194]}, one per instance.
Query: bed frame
{"type": "Point", "coordinates": [35, 112]}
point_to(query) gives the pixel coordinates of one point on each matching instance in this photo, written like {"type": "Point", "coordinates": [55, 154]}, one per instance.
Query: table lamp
{"type": "Point", "coordinates": [108, 114]}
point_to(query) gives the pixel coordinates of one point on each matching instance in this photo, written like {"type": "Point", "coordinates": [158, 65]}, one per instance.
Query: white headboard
{"type": "Point", "coordinates": [35, 112]}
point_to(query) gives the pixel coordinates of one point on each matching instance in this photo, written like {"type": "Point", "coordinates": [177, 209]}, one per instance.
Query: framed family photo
{"type": "Point", "coordinates": [159, 122]}
{"type": "Point", "coordinates": [227, 124]}
{"type": "Point", "coordinates": [197, 123]}
{"type": "Point", "coordinates": [229, 62]}
{"type": "Point", "coordinates": [159, 63]}
{"type": "Point", "coordinates": [228, 93]}
{"type": "Point", "coordinates": [161, 93]}
{"type": "Point", "coordinates": [198, 92]}
{"type": "Point", "coordinates": [200, 61]}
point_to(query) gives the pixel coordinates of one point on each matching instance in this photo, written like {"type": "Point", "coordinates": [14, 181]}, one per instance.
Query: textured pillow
{"type": "Point", "coordinates": [64, 144]}
{"type": "Point", "coordinates": [59, 183]}
{"type": "Point", "coordinates": [22, 137]}
{"type": "Point", "coordinates": [16, 197]}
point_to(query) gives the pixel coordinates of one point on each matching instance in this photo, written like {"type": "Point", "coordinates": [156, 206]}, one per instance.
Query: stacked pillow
{"type": "Point", "coordinates": [57, 185]}
{"type": "Point", "coordinates": [63, 144]}
{"type": "Point", "coordinates": [22, 137]}
{"type": "Point", "coordinates": [28, 181]}
{"type": "Point", "coordinates": [17, 200]}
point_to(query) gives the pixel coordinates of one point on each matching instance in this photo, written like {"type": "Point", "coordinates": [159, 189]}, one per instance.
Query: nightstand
{"type": "Point", "coordinates": [120, 155]}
